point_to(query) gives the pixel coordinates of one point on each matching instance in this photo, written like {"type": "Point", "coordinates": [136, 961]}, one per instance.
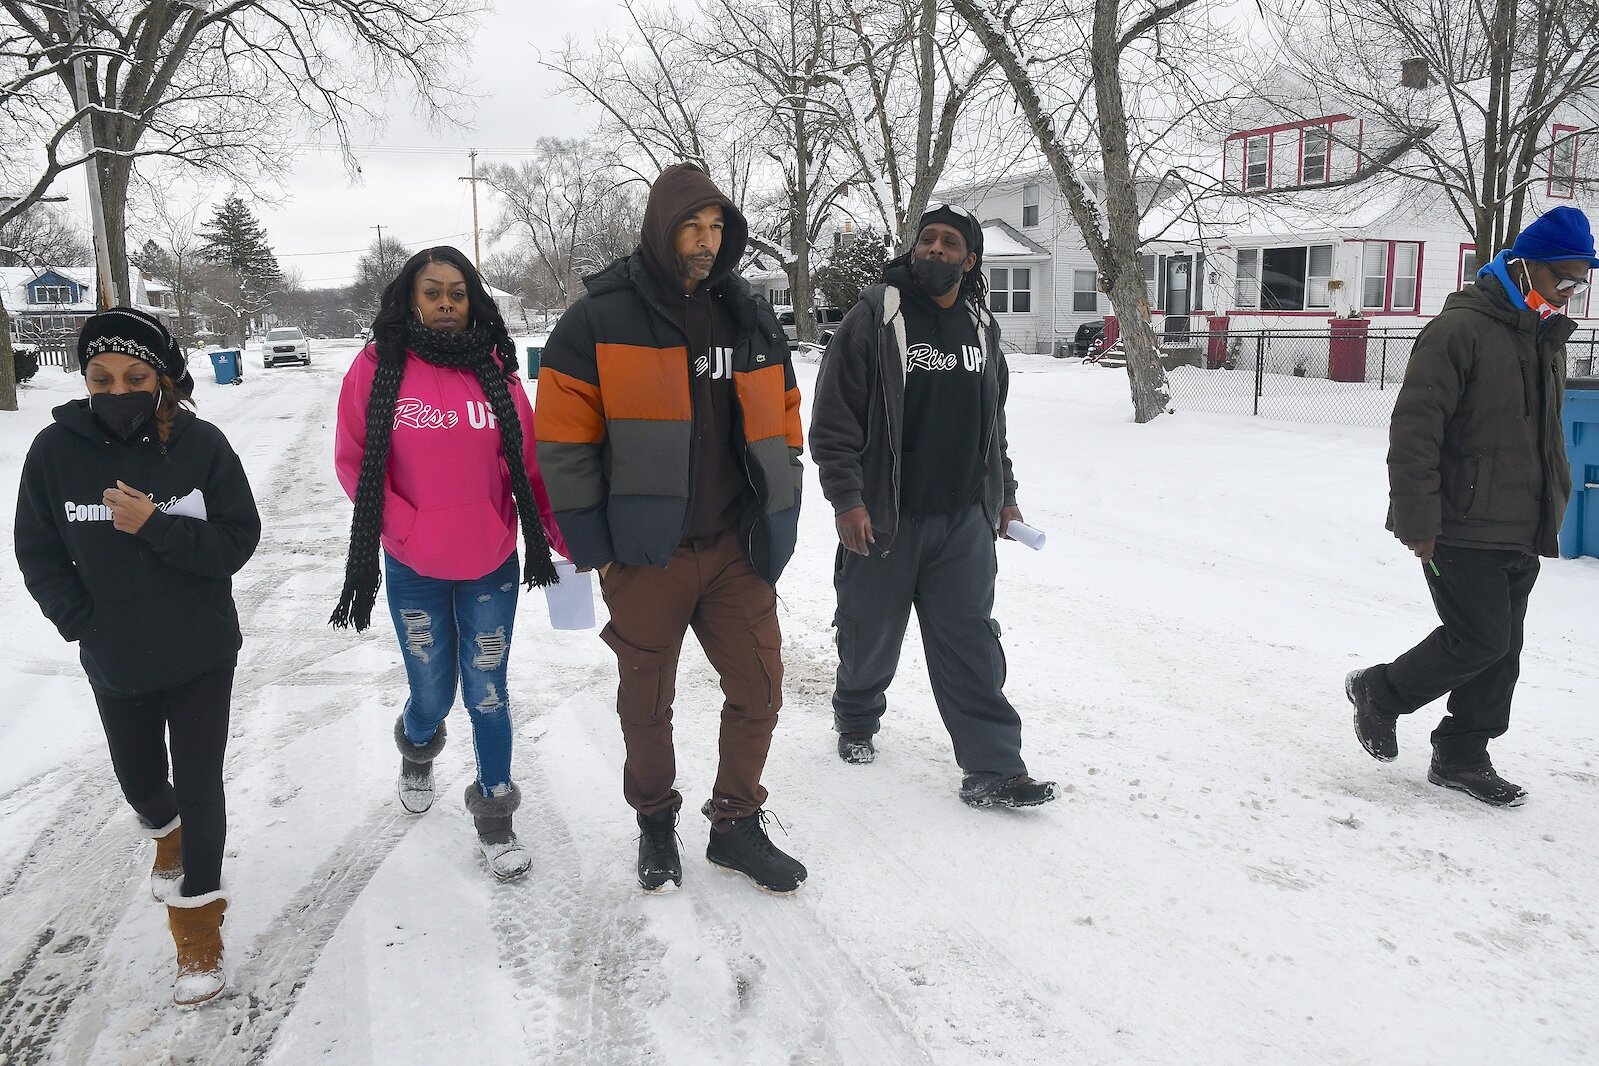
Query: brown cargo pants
{"type": "Point", "coordinates": [708, 585]}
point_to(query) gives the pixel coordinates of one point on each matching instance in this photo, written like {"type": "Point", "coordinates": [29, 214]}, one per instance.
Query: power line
{"type": "Point", "coordinates": [353, 251]}
{"type": "Point", "coordinates": [406, 149]}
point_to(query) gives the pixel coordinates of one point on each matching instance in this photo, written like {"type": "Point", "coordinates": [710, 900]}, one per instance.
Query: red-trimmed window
{"type": "Point", "coordinates": [1390, 276]}
{"type": "Point", "coordinates": [1563, 163]}
{"type": "Point", "coordinates": [1257, 163]}
{"type": "Point", "coordinates": [1315, 148]}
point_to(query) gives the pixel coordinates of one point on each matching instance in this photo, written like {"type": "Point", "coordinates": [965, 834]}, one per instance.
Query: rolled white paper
{"type": "Point", "coordinates": [1026, 534]}
{"type": "Point", "coordinates": [571, 599]}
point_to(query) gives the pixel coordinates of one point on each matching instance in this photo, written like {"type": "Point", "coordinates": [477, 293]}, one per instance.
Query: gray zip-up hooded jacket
{"type": "Point", "coordinates": [858, 413]}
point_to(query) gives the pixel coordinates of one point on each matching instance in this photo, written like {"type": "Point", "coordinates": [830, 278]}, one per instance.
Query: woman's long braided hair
{"type": "Point", "coordinates": [396, 334]}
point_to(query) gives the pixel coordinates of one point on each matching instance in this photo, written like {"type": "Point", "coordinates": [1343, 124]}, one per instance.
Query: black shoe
{"type": "Point", "coordinates": [856, 748]}
{"type": "Point", "coordinates": [1478, 782]}
{"type": "Point", "coordinates": [1018, 791]}
{"type": "Point", "coordinates": [658, 861]}
{"type": "Point", "coordinates": [1374, 728]}
{"type": "Point", "coordinates": [741, 844]}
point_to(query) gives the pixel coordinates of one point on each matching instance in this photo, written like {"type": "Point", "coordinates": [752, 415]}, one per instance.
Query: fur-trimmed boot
{"type": "Point", "coordinates": [196, 923]}
{"type": "Point", "coordinates": [167, 874]}
{"type": "Point", "coordinates": [507, 858]}
{"type": "Point", "coordinates": [416, 767]}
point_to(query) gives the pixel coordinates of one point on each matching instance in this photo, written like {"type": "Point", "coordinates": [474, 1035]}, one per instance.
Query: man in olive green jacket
{"type": "Point", "coordinates": [1478, 485]}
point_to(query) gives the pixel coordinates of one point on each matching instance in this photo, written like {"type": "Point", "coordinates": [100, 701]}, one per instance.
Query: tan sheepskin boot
{"type": "Point", "coordinates": [196, 923]}
{"type": "Point", "coordinates": [166, 876]}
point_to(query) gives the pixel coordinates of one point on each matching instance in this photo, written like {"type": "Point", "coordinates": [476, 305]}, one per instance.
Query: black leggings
{"type": "Point", "coordinates": [195, 714]}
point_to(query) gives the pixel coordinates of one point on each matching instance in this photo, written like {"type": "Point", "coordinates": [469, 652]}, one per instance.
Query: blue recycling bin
{"type": "Point", "coordinates": [225, 361]}
{"type": "Point", "coordinates": [1579, 535]}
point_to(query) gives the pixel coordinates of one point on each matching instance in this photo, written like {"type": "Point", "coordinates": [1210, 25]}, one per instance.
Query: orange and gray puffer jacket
{"type": "Point", "coordinates": [616, 431]}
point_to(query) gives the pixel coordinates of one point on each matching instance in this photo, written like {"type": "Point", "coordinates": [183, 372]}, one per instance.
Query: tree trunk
{"type": "Point", "coordinates": [1120, 265]}
{"type": "Point", "coordinates": [799, 237]}
{"type": "Point", "coordinates": [114, 201]}
{"type": "Point", "coordinates": [8, 364]}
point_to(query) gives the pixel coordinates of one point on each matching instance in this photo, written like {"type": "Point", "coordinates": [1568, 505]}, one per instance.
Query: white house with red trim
{"type": "Point", "coordinates": [1292, 243]}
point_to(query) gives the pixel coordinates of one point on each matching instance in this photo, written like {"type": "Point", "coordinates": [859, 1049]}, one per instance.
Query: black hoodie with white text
{"type": "Point", "coordinates": [153, 609]}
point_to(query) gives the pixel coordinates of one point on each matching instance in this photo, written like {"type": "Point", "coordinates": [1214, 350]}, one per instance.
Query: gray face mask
{"type": "Point", "coordinates": [935, 277]}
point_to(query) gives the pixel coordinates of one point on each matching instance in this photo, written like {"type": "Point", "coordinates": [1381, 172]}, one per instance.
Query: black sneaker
{"type": "Point", "coordinates": [856, 748]}
{"type": "Point", "coordinates": [1478, 782]}
{"type": "Point", "coordinates": [1374, 728]}
{"type": "Point", "coordinates": [741, 844]}
{"type": "Point", "coordinates": [658, 861]}
{"type": "Point", "coordinates": [1018, 791]}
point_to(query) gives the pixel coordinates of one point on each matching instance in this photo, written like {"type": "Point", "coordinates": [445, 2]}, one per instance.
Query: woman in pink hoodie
{"type": "Point", "coordinates": [435, 446]}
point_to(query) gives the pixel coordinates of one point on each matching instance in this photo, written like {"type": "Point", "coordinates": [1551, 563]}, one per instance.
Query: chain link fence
{"type": "Point", "coordinates": [1327, 376]}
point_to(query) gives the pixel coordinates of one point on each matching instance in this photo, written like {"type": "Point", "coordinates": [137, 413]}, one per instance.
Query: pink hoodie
{"type": "Point", "coordinates": [448, 508]}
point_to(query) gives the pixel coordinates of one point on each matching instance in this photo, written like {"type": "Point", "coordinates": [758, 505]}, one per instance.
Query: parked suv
{"type": "Point", "coordinates": [827, 320]}
{"type": "Point", "coordinates": [286, 345]}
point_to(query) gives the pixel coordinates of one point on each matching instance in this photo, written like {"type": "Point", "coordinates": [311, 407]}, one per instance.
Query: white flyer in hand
{"type": "Point", "coordinates": [193, 506]}
{"type": "Point", "coordinates": [1023, 533]}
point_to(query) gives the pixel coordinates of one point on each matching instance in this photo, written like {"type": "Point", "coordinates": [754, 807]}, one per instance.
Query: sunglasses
{"type": "Point", "coordinates": [1575, 286]}
{"type": "Point", "coordinates": [961, 211]}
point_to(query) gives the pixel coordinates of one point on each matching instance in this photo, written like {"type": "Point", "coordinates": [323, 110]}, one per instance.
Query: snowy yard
{"type": "Point", "coordinates": [1228, 878]}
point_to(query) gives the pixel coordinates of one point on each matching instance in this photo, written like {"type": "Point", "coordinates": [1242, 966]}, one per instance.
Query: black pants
{"type": "Point", "coordinates": [945, 566]}
{"type": "Point", "coordinates": [193, 718]}
{"type": "Point", "coordinates": [1475, 656]}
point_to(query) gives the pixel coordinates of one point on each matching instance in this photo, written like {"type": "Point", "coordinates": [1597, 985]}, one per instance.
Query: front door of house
{"type": "Point", "coordinates": [1179, 271]}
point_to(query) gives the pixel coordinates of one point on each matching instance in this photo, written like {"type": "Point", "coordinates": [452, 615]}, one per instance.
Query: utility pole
{"type": "Point", "coordinates": [477, 256]}
{"type": "Point", "coordinates": [102, 249]}
{"type": "Point", "coordinates": [383, 256]}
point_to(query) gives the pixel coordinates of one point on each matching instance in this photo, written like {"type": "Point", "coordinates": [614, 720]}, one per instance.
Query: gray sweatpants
{"type": "Point", "coordinates": [945, 566]}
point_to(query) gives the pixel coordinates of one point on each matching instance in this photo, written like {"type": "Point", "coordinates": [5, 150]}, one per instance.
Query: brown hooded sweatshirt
{"type": "Point", "coordinates": [719, 482]}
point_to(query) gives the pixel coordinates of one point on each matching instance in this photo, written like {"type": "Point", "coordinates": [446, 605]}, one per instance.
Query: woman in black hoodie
{"type": "Point", "coordinates": [132, 518]}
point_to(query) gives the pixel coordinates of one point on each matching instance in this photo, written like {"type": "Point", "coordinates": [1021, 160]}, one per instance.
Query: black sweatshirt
{"type": "Point", "coordinates": [943, 464]}
{"type": "Point", "coordinates": [153, 609]}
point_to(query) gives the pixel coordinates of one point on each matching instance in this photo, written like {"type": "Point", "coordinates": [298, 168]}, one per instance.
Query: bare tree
{"type": "Point", "coordinates": [374, 269]}
{"type": "Point", "coordinates": [43, 235]}
{"type": "Point", "coordinates": [562, 207]}
{"type": "Point", "coordinates": [1090, 137]}
{"type": "Point", "coordinates": [210, 84]}
{"type": "Point", "coordinates": [1460, 96]}
{"type": "Point", "coordinates": [912, 73]}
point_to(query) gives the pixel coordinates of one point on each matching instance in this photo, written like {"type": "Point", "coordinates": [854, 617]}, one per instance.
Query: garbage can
{"type": "Point", "coordinates": [225, 361]}
{"type": "Point", "coordinates": [534, 353]}
{"type": "Point", "coordinates": [1579, 535]}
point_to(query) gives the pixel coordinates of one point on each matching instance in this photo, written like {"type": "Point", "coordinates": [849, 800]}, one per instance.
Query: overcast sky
{"type": "Point", "coordinates": [408, 182]}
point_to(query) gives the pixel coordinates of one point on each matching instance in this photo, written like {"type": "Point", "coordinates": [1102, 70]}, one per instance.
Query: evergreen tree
{"type": "Point", "coordinates": [247, 273]}
{"type": "Point", "coordinates": [234, 239]}
{"type": "Point", "coordinates": [856, 262]}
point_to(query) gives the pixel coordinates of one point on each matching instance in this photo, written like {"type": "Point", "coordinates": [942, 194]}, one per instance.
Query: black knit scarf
{"type": "Point", "coordinates": [472, 348]}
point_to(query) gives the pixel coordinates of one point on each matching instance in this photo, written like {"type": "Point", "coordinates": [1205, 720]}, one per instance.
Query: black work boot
{"type": "Point", "coordinates": [741, 845]}
{"type": "Point", "coordinates": [990, 790]}
{"type": "Point", "coordinates": [658, 861]}
{"type": "Point", "coordinates": [1374, 728]}
{"type": "Point", "coordinates": [415, 787]}
{"type": "Point", "coordinates": [1479, 782]}
{"type": "Point", "coordinates": [856, 748]}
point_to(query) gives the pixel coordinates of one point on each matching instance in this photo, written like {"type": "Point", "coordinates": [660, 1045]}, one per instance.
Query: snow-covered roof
{"type": "Point", "coordinates": [14, 282]}
{"type": "Point", "coordinates": [1001, 241]}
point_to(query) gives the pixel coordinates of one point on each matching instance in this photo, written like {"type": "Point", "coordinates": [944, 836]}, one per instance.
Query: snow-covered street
{"type": "Point", "coordinates": [1228, 878]}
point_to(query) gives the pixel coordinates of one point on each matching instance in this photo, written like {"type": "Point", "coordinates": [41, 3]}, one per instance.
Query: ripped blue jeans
{"type": "Point", "coordinates": [457, 632]}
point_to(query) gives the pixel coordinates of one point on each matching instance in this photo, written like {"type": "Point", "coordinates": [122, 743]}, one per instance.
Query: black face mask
{"type": "Point", "coordinates": [123, 413]}
{"type": "Point", "coordinates": [935, 277]}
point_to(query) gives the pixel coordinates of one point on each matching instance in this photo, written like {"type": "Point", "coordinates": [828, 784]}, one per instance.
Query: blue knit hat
{"type": "Point", "coordinates": [1562, 233]}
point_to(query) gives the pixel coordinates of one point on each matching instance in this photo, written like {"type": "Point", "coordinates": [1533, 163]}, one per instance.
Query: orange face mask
{"type": "Point", "coordinates": [1535, 299]}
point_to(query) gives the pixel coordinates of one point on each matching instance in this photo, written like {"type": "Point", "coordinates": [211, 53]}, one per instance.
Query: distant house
{"type": "Point", "coordinates": [1295, 243]}
{"type": "Point", "coordinates": [48, 303]}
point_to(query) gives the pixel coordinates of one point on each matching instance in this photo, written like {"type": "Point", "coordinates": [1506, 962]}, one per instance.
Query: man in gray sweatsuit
{"type": "Point", "coordinates": [908, 434]}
